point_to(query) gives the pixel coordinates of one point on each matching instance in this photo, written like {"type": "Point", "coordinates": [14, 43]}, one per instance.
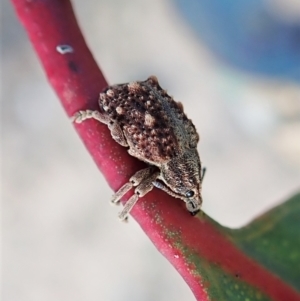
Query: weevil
{"type": "Point", "coordinates": [153, 126]}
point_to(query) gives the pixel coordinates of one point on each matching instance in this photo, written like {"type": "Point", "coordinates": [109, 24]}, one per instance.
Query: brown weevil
{"type": "Point", "coordinates": [154, 127]}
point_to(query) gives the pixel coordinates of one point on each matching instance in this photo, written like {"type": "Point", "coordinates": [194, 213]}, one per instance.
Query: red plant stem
{"type": "Point", "coordinates": [77, 81]}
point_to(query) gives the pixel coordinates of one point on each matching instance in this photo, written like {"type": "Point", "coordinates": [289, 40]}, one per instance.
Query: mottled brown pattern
{"type": "Point", "coordinates": [154, 127]}
{"type": "Point", "coordinates": [140, 110]}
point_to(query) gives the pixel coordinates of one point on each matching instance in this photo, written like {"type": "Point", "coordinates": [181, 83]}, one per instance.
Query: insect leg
{"type": "Point", "coordinates": [166, 189]}
{"type": "Point", "coordinates": [89, 114]}
{"type": "Point", "coordinates": [117, 133]}
{"type": "Point", "coordinates": [143, 188]}
{"type": "Point", "coordinates": [135, 180]}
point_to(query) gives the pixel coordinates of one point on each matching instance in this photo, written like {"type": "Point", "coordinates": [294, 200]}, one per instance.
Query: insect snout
{"type": "Point", "coordinates": [193, 206]}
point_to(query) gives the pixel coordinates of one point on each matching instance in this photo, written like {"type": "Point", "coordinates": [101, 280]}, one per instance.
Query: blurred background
{"type": "Point", "coordinates": [235, 67]}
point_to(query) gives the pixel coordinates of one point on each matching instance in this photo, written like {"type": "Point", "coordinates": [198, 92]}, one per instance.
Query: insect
{"type": "Point", "coordinates": [144, 118]}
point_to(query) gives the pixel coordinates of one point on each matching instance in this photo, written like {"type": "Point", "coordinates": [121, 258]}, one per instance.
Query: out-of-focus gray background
{"type": "Point", "coordinates": [61, 238]}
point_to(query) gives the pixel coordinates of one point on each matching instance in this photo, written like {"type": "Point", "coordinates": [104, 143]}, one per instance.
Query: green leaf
{"type": "Point", "coordinates": [274, 240]}
{"type": "Point", "coordinates": [258, 262]}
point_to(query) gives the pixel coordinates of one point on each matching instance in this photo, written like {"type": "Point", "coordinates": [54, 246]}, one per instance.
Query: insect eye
{"type": "Point", "coordinates": [190, 194]}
